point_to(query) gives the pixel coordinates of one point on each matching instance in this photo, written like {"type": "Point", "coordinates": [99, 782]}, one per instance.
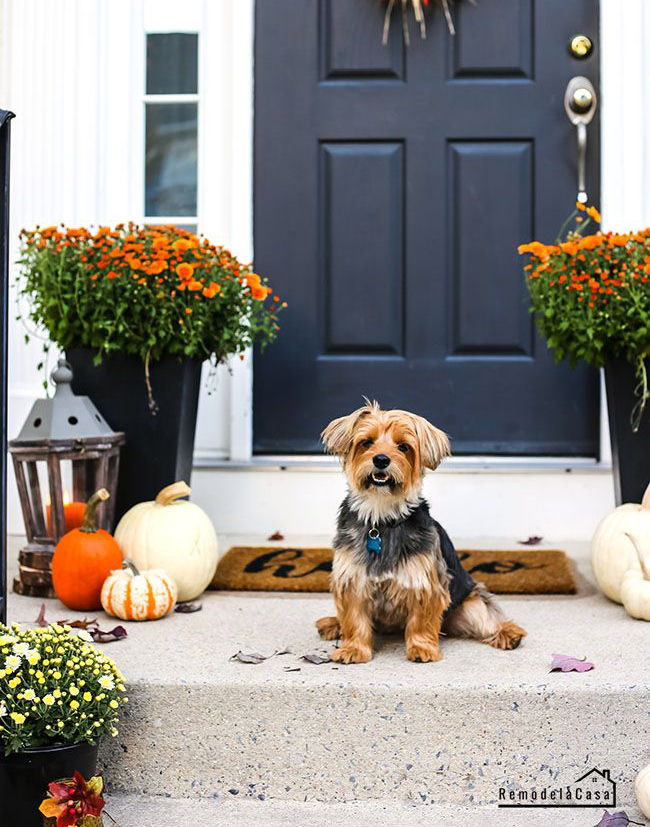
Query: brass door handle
{"type": "Point", "coordinates": [580, 104]}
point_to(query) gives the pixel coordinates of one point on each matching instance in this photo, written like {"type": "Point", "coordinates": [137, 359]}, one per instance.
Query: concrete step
{"type": "Point", "coordinates": [202, 726]}
{"type": "Point", "coordinates": [133, 811]}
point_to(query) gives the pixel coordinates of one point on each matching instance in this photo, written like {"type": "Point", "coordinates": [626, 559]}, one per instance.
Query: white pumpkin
{"type": "Point", "coordinates": [635, 588]}
{"type": "Point", "coordinates": [130, 595]}
{"type": "Point", "coordinates": [642, 791]}
{"type": "Point", "coordinates": [174, 535]}
{"type": "Point", "coordinates": [612, 552]}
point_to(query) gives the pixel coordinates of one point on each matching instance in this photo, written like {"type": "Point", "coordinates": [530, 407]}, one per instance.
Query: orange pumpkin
{"type": "Point", "coordinates": [83, 559]}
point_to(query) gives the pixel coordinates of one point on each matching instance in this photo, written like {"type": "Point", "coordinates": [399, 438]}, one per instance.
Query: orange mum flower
{"type": "Point", "coordinates": [535, 248]}
{"type": "Point", "coordinates": [590, 242]}
{"type": "Point", "coordinates": [111, 274]}
{"type": "Point", "coordinates": [212, 290]}
{"type": "Point", "coordinates": [253, 281]}
{"type": "Point", "coordinates": [592, 212]}
{"type": "Point", "coordinates": [569, 247]}
{"type": "Point", "coordinates": [194, 286]}
{"type": "Point", "coordinates": [260, 293]}
{"type": "Point", "coordinates": [184, 270]}
{"type": "Point", "coordinates": [181, 245]}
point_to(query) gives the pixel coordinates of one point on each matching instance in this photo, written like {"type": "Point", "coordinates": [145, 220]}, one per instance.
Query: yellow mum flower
{"type": "Point", "coordinates": [18, 718]}
{"type": "Point", "coordinates": [48, 700]}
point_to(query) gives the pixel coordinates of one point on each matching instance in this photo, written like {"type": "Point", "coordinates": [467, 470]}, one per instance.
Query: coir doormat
{"type": "Point", "coordinates": [265, 568]}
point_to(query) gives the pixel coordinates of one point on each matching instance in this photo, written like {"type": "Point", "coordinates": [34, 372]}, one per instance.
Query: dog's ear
{"type": "Point", "coordinates": [434, 443]}
{"type": "Point", "coordinates": [338, 436]}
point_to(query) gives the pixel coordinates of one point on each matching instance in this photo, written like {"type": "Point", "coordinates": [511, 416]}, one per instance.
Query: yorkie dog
{"type": "Point", "coordinates": [394, 566]}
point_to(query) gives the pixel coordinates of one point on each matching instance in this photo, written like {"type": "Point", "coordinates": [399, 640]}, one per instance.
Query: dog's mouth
{"type": "Point", "coordinates": [380, 479]}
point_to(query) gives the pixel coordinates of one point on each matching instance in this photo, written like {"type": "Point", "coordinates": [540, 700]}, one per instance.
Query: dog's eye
{"type": "Point", "coordinates": [366, 443]}
{"type": "Point", "coordinates": [403, 447]}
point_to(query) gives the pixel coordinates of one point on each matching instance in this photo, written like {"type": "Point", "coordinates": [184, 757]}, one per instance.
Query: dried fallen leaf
{"type": "Point", "coordinates": [317, 659]}
{"type": "Point", "coordinates": [276, 536]}
{"type": "Point", "coordinates": [531, 541]}
{"type": "Point", "coordinates": [79, 624]}
{"type": "Point", "coordinates": [40, 620]}
{"type": "Point", "coordinates": [618, 819]}
{"type": "Point", "coordinates": [252, 657]}
{"type": "Point", "coordinates": [99, 636]}
{"type": "Point", "coordinates": [567, 663]}
{"type": "Point", "coordinates": [189, 608]}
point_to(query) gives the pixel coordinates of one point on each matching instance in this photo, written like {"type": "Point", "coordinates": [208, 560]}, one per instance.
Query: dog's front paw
{"type": "Point", "coordinates": [329, 628]}
{"type": "Point", "coordinates": [423, 652]}
{"type": "Point", "coordinates": [352, 653]}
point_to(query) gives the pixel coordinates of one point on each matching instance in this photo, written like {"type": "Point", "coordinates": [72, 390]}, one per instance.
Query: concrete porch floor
{"type": "Point", "coordinates": [387, 735]}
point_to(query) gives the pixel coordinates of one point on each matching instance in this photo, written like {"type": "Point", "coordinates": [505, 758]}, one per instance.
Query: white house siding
{"type": "Point", "coordinates": [73, 72]}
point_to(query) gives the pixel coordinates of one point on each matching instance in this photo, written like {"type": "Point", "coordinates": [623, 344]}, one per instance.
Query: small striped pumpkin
{"type": "Point", "coordinates": [131, 595]}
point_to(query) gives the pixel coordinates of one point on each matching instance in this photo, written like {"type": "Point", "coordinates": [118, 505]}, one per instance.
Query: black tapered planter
{"type": "Point", "coordinates": [630, 449]}
{"type": "Point", "coordinates": [24, 778]}
{"type": "Point", "coordinates": [159, 448]}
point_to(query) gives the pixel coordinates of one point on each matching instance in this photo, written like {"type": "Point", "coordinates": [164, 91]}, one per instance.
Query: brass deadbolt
{"type": "Point", "coordinates": [581, 46]}
{"type": "Point", "coordinates": [582, 100]}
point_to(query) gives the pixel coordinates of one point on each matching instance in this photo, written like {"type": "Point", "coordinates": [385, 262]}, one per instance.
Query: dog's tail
{"type": "Point", "coordinates": [480, 618]}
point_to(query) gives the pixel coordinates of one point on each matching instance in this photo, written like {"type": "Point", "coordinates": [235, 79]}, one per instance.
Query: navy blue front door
{"type": "Point", "coordinates": [392, 187]}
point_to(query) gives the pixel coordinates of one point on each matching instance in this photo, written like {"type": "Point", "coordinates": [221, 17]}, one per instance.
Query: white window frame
{"type": "Point", "coordinates": [225, 152]}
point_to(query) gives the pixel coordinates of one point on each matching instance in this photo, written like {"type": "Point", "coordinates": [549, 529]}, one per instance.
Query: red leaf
{"type": "Point", "coordinates": [100, 636]}
{"type": "Point", "coordinates": [40, 620]}
{"type": "Point", "coordinates": [531, 541]}
{"type": "Point", "coordinates": [567, 663]}
{"type": "Point", "coordinates": [79, 624]}
{"type": "Point", "coordinates": [617, 819]}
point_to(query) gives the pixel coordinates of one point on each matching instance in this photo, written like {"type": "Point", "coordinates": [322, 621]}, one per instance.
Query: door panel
{"type": "Point", "coordinates": [363, 189]}
{"type": "Point", "coordinates": [490, 264]}
{"type": "Point", "coordinates": [392, 187]}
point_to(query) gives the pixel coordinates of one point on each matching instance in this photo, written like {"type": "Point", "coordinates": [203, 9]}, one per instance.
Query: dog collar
{"type": "Point", "coordinates": [373, 540]}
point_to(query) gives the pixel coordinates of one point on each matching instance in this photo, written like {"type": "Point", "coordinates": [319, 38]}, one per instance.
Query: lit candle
{"type": "Point", "coordinates": [72, 511]}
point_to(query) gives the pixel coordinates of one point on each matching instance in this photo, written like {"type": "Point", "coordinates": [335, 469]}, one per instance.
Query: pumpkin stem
{"type": "Point", "coordinates": [644, 568]}
{"type": "Point", "coordinates": [129, 564]}
{"type": "Point", "coordinates": [89, 524]}
{"type": "Point", "coordinates": [173, 492]}
{"type": "Point", "coordinates": [645, 502]}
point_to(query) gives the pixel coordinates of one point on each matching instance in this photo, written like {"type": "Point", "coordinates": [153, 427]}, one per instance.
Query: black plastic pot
{"type": "Point", "coordinates": [24, 777]}
{"type": "Point", "coordinates": [630, 449]}
{"type": "Point", "coordinates": [159, 447]}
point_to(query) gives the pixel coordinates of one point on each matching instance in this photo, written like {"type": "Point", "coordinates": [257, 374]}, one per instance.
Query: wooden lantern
{"type": "Point", "coordinates": [64, 453]}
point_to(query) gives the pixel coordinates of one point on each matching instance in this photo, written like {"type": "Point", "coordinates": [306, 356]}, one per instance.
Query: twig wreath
{"type": "Point", "coordinates": [418, 12]}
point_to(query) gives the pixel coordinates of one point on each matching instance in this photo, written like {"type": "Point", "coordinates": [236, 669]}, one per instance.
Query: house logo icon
{"type": "Point", "coordinates": [593, 789]}
{"type": "Point", "coordinates": [599, 785]}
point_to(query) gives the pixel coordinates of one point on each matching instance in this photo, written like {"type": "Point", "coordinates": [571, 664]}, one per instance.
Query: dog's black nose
{"type": "Point", "coordinates": [380, 461]}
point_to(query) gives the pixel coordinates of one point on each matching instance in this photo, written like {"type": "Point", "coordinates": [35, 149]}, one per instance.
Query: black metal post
{"type": "Point", "coordinates": [5, 139]}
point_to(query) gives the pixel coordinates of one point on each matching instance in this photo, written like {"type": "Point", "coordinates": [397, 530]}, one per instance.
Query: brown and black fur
{"type": "Point", "coordinates": [416, 583]}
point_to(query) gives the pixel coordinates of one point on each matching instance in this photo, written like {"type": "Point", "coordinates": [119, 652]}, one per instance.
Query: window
{"type": "Point", "coordinates": [171, 130]}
